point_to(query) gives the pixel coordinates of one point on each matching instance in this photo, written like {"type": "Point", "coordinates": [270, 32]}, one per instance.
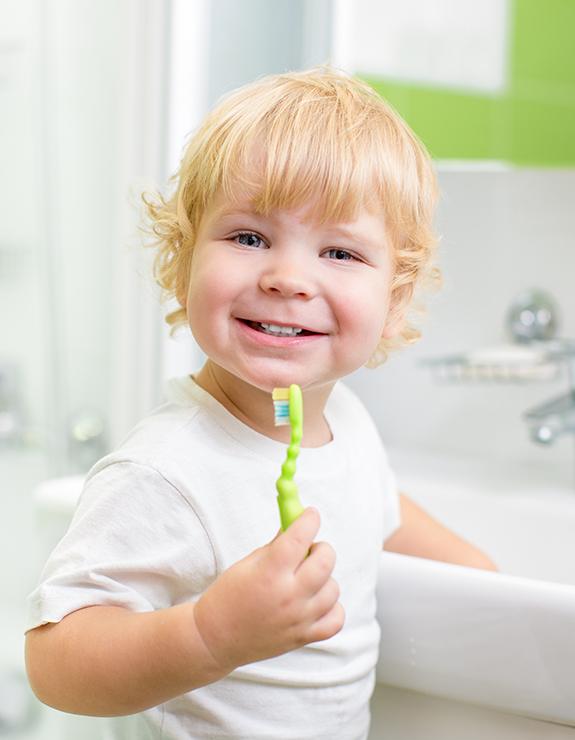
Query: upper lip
{"type": "Point", "coordinates": [293, 324]}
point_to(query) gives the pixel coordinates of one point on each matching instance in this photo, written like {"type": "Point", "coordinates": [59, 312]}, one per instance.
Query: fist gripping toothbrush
{"type": "Point", "coordinates": [288, 409]}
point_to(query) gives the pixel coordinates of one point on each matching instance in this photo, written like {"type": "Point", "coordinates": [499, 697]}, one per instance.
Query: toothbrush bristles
{"type": "Point", "coordinates": [280, 397]}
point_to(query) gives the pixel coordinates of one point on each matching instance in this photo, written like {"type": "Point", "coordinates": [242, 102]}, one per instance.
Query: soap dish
{"type": "Point", "coordinates": [517, 363]}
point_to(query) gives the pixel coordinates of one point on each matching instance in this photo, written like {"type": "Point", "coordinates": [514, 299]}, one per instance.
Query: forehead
{"type": "Point", "coordinates": [366, 221]}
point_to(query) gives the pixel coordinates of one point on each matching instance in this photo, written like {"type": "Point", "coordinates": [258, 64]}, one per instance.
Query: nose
{"type": "Point", "coordinates": [289, 279]}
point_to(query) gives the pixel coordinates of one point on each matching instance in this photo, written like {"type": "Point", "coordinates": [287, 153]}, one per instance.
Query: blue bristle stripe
{"type": "Point", "coordinates": [281, 412]}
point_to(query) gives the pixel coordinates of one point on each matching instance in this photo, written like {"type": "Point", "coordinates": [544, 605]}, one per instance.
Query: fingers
{"type": "Point", "coordinates": [316, 569]}
{"type": "Point", "coordinates": [292, 546]}
{"type": "Point", "coordinates": [314, 592]}
{"type": "Point", "coordinates": [325, 600]}
{"type": "Point", "coordinates": [325, 612]}
{"type": "Point", "coordinates": [328, 625]}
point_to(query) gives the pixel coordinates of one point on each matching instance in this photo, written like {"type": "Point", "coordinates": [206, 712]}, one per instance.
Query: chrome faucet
{"type": "Point", "coordinates": [553, 418]}
{"type": "Point", "coordinates": [531, 322]}
{"type": "Point", "coordinates": [533, 318]}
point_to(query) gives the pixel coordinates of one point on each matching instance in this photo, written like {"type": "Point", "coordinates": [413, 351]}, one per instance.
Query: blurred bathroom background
{"type": "Point", "coordinates": [96, 103]}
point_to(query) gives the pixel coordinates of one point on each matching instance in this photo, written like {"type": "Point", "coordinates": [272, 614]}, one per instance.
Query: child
{"type": "Point", "coordinates": [298, 231]}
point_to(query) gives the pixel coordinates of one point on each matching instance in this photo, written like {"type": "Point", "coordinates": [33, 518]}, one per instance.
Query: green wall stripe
{"type": "Point", "coordinates": [531, 123]}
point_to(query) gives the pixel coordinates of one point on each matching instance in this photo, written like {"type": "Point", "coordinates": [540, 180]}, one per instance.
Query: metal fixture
{"type": "Point", "coordinates": [534, 355]}
{"type": "Point", "coordinates": [533, 316]}
{"type": "Point", "coordinates": [556, 417]}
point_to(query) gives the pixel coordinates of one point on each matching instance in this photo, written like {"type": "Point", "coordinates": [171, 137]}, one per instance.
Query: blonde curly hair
{"type": "Point", "coordinates": [317, 137]}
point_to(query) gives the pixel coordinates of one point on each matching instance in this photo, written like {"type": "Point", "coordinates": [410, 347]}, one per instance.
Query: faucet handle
{"type": "Point", "coordinates": [533, 316]}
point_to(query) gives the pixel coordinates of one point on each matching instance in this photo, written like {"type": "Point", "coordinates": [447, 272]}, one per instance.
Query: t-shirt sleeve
{"type": "Point", "coordinates": [134, 541]}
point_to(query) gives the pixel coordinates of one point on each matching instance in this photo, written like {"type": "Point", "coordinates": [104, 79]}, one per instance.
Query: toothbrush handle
{"type": "Point", "coordinates": [288, 500]}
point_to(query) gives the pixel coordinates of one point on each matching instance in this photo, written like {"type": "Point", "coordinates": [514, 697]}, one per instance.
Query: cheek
{"type": "Point", "coordinates": [207, 290]}
{"type": "Point", "coordinates": [200, 310]}
{"type": "Point", "coordinates": [365, 312]}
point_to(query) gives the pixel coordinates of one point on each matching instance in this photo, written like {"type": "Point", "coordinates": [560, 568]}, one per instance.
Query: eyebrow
{"type": "Point", "coordinates": [358, 237]}
{"type": "Point", "coordinates": [223, 213]}
{"type": "Point", "coordinates": [355, 236]}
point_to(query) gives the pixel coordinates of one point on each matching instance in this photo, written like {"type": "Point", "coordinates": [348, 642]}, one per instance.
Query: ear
{"type": "Point", "coordinates": [181, 298]}
{"type": "Point", "coordinates": [396, 316]}
{"type": "Point", "coordinates": [183, 280]}
{"type": "Point", "coordinates": [393, 327]}
{"type": "Point", "coordinates": [181, 293]}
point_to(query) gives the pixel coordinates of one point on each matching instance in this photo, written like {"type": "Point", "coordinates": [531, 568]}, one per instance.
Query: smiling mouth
{"type": "Point", "coordinates": [278, 331]}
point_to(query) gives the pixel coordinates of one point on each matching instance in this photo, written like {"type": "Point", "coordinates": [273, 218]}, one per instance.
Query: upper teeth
{"type": "Point", "coordinates": [280, 329]}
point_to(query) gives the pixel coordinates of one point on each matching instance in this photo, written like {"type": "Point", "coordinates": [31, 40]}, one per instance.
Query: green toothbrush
{"type": "Point", "coordinates": [288, 409]}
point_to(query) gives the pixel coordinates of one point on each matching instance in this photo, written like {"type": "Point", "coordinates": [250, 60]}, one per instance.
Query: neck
{"type": "Point", "coordinates": [254, 407]}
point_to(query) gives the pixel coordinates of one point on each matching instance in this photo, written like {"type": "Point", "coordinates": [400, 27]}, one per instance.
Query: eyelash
{"type": "Point", "coordinates": [247, 233]}
{"type": "Point", "coordinates": [352, 257]}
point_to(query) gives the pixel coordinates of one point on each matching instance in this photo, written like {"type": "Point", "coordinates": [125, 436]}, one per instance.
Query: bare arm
{"type": "Point", "coordinates": [423, 536]}
{"type": "Point", "coordinates": [109, 661]}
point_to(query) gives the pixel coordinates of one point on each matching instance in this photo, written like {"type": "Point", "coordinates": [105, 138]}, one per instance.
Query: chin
{"type": "Point", "coordinates": [278, 380]}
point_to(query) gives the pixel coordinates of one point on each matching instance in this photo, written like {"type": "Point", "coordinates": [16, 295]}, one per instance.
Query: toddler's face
{"type": "Point", "coordinates": [252, 274]}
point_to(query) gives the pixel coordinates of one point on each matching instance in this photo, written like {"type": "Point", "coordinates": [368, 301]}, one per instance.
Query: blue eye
{"type": "Point", "coordinates": [249, 239]}
{"type": "Point", "coordinates": [340, 255]}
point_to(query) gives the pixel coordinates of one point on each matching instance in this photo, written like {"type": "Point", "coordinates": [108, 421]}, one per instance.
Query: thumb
{"type": "Point", "coordinates": [292, 546]}
{"type": "Point", "coordinates": [277, 534]}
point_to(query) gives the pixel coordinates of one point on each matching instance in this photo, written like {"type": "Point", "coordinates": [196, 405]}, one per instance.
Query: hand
{"type": "Point", "coordinates": [278, 598]}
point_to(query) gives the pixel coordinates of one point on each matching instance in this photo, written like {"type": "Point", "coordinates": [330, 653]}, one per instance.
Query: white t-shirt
{"type": "Point", "coordinates": [192, 491]}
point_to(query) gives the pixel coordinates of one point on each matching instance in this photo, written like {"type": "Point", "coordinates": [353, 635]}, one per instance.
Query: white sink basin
{"type": "Point", "coordinates": [504, 640]}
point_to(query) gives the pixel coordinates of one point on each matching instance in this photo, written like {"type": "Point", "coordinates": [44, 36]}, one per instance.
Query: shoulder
{"type": "Point", "coordinates": [165, 455]}
{"type": "Point", "coordinates": [181, 427]}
